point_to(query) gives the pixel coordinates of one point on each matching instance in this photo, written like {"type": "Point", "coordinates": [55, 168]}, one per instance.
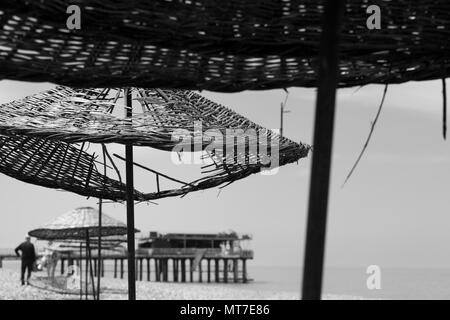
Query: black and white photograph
{"type": "Point", "coordinates": [248, 151]}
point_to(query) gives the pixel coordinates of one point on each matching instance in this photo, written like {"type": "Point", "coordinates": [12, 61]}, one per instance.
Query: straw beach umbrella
{"type": "Point", "coordinates": [82, 224]}
{"type": "Point", "coordinates": [78, 224]}
{"type": "Point", "coordinates": [45, 137]}
{"type": "Point", "coordinates": [218, 45]}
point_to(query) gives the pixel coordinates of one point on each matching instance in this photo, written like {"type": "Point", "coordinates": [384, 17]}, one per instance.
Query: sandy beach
{"type": "Point", "coordinates": [115, 289]}
{"type": "Point", "coordinates": [10, 288]}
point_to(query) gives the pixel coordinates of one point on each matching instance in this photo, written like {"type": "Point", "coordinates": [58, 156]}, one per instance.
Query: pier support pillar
{"type": "Point", "coordinates": [244, 270]}
{"type": "Point", "coordinates": [216, 269]}
{"type": "Point", "coordinates": [191, 269]}
{"type": "Point", "coordinates": [136, 269]}
{"type": "Point", "coordinates": [209, 270]}
{"type": "Point", "coordinates": [157, 270]}
{"type": "Point", "coordinates": [62, 265]}
{"type": "Point", "coordinates": [175, 269]}
{"type": "Point", "coordinates": [225, 270]}
{"type": "Point", "coordinates": [235, 270]}
{"type": "Point", "coordinates": [148, 269]}
{"type": "Point", "coordinates": [183, 270]}
{"type": "Point", "coordinates": [200, 271]}
{"type": "Point", "coordinates": [166, 270]}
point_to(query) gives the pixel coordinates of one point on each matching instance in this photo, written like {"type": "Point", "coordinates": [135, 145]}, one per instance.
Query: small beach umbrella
{"type": "Point", "coordinates": [82, 224]}
{"type": "Point", "coordinates": [78, 224]}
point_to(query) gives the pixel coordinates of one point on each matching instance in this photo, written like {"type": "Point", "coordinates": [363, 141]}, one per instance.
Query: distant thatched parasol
{"type": "Point", "coordinates": [79, 223]}
{"type": "Point", "coordinates": [83, 224]}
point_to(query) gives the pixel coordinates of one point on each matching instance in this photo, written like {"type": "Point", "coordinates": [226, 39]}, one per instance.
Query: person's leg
{"type": "Point", "coordinates": [30, 270]}
{"type": "Point", "coordinates": [47, 267]}
{"type": "Point", "coordinates": [53, 267]}
{"type": "Point", "coordinates": [22, 272]}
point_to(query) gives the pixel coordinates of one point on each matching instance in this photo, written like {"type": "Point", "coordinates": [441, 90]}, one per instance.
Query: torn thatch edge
{"type": "Point", "coordinates": [41, 126]}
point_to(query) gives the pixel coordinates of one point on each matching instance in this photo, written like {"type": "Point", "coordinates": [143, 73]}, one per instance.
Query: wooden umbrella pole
{"type": "Point", "coordinates": [88, 248]}
{"type": "Point", "coordinates": [86, 267]}
{"type": "Point", "coordinates": [130, 206]}
{"type": "Point", "coordinates": [281, 119]}
{"type": "Point", "coordinates": [100, 214]}
{"type": "Point", "coordinates": [321, 161]}
{"type": "Point", "coordinates": [80, 272]}
{"type": "Point", "coordinates": [99, 264]}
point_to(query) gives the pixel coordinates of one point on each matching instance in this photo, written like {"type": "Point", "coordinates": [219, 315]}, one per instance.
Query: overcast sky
{"type": "Point", "coordinates": [393, 212]}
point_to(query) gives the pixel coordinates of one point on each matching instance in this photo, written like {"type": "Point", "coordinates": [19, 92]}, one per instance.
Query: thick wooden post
{"type": "Point", "coordinates": [1, 263]}
{"type": "Point", "coordinates": [99, 253]}
{"type": "Point", "coordinates": [321, 159]}
{"type": "Point", "coordinates": [235, 270]}
{"type": "Point", "coordinates": [115, 268]}
{"type": "Point", "coordinates": [130, 206]}
{"type": "Point", "coordinates": [121, 268]}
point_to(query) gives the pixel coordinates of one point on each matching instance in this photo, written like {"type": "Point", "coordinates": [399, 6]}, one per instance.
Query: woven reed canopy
{"type": "Point", "coordinates": [57, 165]}
{"type": "Point", "coordinates": [218, 45]}
{"type": "Point", "coordinates": [45, 134]}
{"type": "Point", "coordinates": [77, 224]}
{"type": "Point", "coordinates": [107, 243]}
